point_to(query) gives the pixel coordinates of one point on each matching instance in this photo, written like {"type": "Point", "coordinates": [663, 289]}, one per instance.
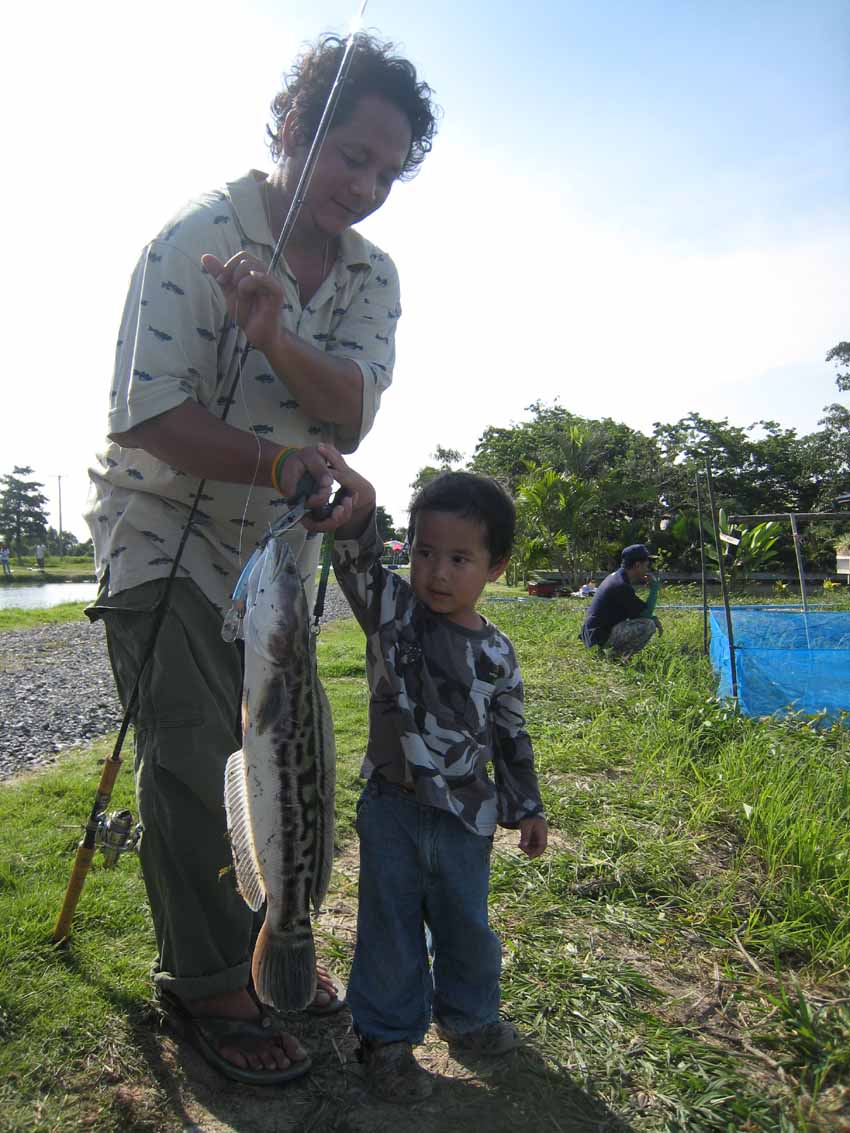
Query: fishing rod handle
{"type": "Point", "coordinates": [86, 850]}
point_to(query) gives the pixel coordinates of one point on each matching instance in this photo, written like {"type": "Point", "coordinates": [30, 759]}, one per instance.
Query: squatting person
{"type": "Point", "coordinates": [322, 331]}
{"type": "Point", "coordinates": [617, 619]}
{"type": "Point", "coordinates": [446, 700]}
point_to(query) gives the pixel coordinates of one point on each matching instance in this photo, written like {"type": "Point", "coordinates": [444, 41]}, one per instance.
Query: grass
{"type": "Point", "coordinates": [66, 568]}
{"type": "Point", "coordinates": [16, 618]}
{"type": "Point", "coordinates": [681, 953]}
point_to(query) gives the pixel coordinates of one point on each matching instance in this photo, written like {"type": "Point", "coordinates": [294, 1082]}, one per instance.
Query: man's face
{"type": "Point", "coordinates": [359, 162]}
{"type": "Point", "coordinates": [640, 571]}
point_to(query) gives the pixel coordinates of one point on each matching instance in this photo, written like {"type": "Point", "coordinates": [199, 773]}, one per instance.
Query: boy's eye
{"type": "Point", "coordinates": [353, 161]}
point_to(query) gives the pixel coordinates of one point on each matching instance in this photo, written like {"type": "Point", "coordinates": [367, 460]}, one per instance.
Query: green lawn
{"type": "Point", "coordinates": [681, 952]}
{"type": "Point", "coordinates": [68, 568]}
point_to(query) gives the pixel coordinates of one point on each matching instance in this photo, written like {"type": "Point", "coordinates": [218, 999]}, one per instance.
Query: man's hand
{"type": "Point", "coordinates": [533, 835]}
{"type": "Point", "coordinates": [253, 296]}
{"type": "Point", "coordinates": [658, 626]}
{"type": "Point", "coordinates": [309, 461]}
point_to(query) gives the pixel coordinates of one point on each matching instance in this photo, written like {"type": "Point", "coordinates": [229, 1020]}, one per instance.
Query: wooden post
{"type": "Point", "coordinates": [733, 670]}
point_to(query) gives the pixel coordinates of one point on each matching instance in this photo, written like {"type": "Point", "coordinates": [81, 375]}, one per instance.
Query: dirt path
{"type": "Point", "coordinates": [519, 1092]}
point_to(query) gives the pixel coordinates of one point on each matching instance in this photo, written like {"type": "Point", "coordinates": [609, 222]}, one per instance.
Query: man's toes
{"type": "Point", "coordinates": [235, 1055]}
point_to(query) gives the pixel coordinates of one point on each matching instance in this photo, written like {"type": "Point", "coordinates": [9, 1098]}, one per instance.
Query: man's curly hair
{"type": "Point", "coordinates": [374, 70]}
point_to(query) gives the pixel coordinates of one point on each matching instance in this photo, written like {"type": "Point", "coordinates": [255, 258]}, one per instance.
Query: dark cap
{"type": "Point", "coordinates": [636, 553]}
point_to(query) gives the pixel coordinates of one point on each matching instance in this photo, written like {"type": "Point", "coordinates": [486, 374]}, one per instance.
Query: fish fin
{"type": "Point", "coordinates": [248, 879]}
{"type": "Point", "coordinates": [325, 784]}
{"type": "Point", "coordinates": [283, 968]}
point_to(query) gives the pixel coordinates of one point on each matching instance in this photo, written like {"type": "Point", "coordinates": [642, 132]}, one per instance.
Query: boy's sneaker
{"type": "Point", "coordinates": [489, 1040]}
{"type": "Point", "coordinates": [392, 1073]}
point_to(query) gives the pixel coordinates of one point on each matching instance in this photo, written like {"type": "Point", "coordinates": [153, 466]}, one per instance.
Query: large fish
{"type": "Point", "coordinates": [279, 789]}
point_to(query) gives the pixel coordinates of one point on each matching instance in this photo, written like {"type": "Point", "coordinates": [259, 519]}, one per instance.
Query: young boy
{"type": "Point", "coordinates": [446, 699]}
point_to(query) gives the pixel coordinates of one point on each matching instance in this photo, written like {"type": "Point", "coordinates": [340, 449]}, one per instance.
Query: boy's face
{"type": "Point", "coordinates": [450, 564]}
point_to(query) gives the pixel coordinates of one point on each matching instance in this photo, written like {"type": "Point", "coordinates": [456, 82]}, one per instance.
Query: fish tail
{"type": "Point", "coordinates": [284, 966]}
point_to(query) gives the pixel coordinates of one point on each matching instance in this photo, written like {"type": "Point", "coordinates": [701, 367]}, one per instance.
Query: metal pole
{"type": "Point", "coordinates": [800, 570]}
{"type": "Point", "coordinates": [798, 552]}
{"type": "Point", "coordinates": [702, 571]}
{"type": "Point", "coordinates": [720, 551]}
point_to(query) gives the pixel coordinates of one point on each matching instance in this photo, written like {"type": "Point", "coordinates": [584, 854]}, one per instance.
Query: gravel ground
{"type": "Point", "coordinates": [56, 689]}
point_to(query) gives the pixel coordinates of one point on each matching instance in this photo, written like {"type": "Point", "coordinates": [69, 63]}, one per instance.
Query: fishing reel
{"type": "Point", "coordinates": [116, 835]}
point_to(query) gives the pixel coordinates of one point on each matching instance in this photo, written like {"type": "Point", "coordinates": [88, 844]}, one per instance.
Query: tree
{"type": "Point", "coordinates": [22, 509]}
{"type": "Point", "coordinates": [445, 458]}
{"type": "Point", "coordinates": [67, 543]}
{"type": "Point", "coordinates": [554, 522]}
{"type": "Point", "coordinates": [385, 524]}
{"type": "Point", "coordinates": [840, 355]}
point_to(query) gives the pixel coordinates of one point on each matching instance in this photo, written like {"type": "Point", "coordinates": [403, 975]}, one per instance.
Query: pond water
{"type": "Point", "coordinates": [45, 595]}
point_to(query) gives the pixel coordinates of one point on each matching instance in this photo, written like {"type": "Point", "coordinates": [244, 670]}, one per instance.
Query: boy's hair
{"type": "Point", "coordinates": [374, 70]}
{"type": "Point", "coordinates": [470, 496]}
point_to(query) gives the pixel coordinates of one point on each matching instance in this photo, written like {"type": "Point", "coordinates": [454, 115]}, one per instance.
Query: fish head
{"type": "Point", "coordinates": [276, 613]}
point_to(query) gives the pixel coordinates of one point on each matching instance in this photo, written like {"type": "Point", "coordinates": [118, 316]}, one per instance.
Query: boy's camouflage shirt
{"type": "Point", "coordinates": [445, 701]}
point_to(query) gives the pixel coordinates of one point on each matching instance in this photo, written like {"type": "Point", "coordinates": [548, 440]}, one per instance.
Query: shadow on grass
{"type": "Point", "coordinates": [166, 1085]}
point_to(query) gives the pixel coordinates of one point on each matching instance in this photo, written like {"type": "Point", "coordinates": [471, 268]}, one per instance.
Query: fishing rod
{"type": "Point", "coordinates": [115, 833]}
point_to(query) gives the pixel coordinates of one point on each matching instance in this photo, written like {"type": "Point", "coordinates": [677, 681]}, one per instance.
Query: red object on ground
{"type": "Point", "coordinates": [545, 589]}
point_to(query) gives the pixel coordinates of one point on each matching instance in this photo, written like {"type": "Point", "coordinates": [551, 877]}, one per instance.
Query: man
{"type": "Point", "coordinates": [617, 618]}
{"type": "Point", "coordinates": [321, 329]}
{"type": "Point", "coordinates": [40, 552]}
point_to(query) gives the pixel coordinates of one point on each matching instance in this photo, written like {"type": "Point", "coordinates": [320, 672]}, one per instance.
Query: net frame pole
{"type": "Point", "coordinates": [799, 554]}
{"type": "Point", "coordinates": [733, 669]}
{"type": "Point", "coordinates": [702, 570]}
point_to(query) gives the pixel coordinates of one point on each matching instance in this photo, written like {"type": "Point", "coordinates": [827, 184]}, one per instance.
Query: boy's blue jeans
{"type": "Point", "coordinates": [420, 869]}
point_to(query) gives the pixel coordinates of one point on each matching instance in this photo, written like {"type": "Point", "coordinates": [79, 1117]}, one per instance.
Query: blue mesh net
{"type": "Point", "coordinates": [786, 661]}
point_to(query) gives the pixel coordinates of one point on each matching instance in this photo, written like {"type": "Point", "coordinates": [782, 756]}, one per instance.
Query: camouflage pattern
{"type": "Point", "coordinates": [445, 701]}
{"type": "Point", "coordinates": [630, 636]}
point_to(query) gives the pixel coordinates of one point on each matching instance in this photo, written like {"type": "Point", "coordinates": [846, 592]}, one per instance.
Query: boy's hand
{"type": "Point", "coordinates": [359, 503]}
{"type": "Point", "coordinates": [533, 834]}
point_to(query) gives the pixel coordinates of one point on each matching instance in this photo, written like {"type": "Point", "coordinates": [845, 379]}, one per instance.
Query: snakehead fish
{"type": "Point", "coordinates": [279, 789]}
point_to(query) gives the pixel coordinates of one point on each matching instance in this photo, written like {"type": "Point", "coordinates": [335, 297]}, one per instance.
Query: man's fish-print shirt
{"type": "Point", "coordinates": [176, 342]}
{"type": "Point", "coordinates": [445, 701]}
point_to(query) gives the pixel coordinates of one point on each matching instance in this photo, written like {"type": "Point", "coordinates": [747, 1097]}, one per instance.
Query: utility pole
{"type": "Point", "coordinates": [59, 476]}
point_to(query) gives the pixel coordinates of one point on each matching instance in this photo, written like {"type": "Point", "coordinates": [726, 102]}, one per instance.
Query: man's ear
{"type": "Point", "coordinates": [497, 569]}
{"type": "Point", "coordinates": [292, 134]}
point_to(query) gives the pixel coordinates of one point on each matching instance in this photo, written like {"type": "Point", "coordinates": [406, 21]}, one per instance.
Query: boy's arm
{"type": "Point", "coordinates": [513, 756]}
{"type": "Point", "coordinates": [375, 595]}
{"type": "Point", "coordinates": [356, 486]}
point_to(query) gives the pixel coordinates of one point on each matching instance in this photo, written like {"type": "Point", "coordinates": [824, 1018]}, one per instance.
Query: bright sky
{"type": "Point", "coordinates": [637, 207]}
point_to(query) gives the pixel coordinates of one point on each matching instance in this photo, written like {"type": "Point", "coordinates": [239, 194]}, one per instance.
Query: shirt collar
{"type": "Point", "coordinates": [246, 196]}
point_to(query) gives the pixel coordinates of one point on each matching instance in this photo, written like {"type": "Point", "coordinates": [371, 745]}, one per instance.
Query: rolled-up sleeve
{"type": "Point", "coordinates": [366, 335]}
{"type": "Point", "coordinates": [167, 350]}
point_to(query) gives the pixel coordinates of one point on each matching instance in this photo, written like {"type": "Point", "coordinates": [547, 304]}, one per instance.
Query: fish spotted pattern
{"type": "Point", "coordinates": [279, 789]}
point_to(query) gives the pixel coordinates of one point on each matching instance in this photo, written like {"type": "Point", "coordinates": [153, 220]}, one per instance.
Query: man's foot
{"type": "Point", "coordinates": [240, 1032]}
{"type": "Point", "coordinates": [487, 1041]}
{"type": "Point", "coordinates": [392, 1073]}
{"type": "Point", "coordinates": [330, 994]}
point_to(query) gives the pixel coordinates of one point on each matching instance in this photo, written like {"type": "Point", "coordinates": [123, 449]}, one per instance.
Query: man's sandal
{"type": "Point", "coordinates": [333, 1005]}
{"type": "Point", "coordinates": [208, 1033]}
